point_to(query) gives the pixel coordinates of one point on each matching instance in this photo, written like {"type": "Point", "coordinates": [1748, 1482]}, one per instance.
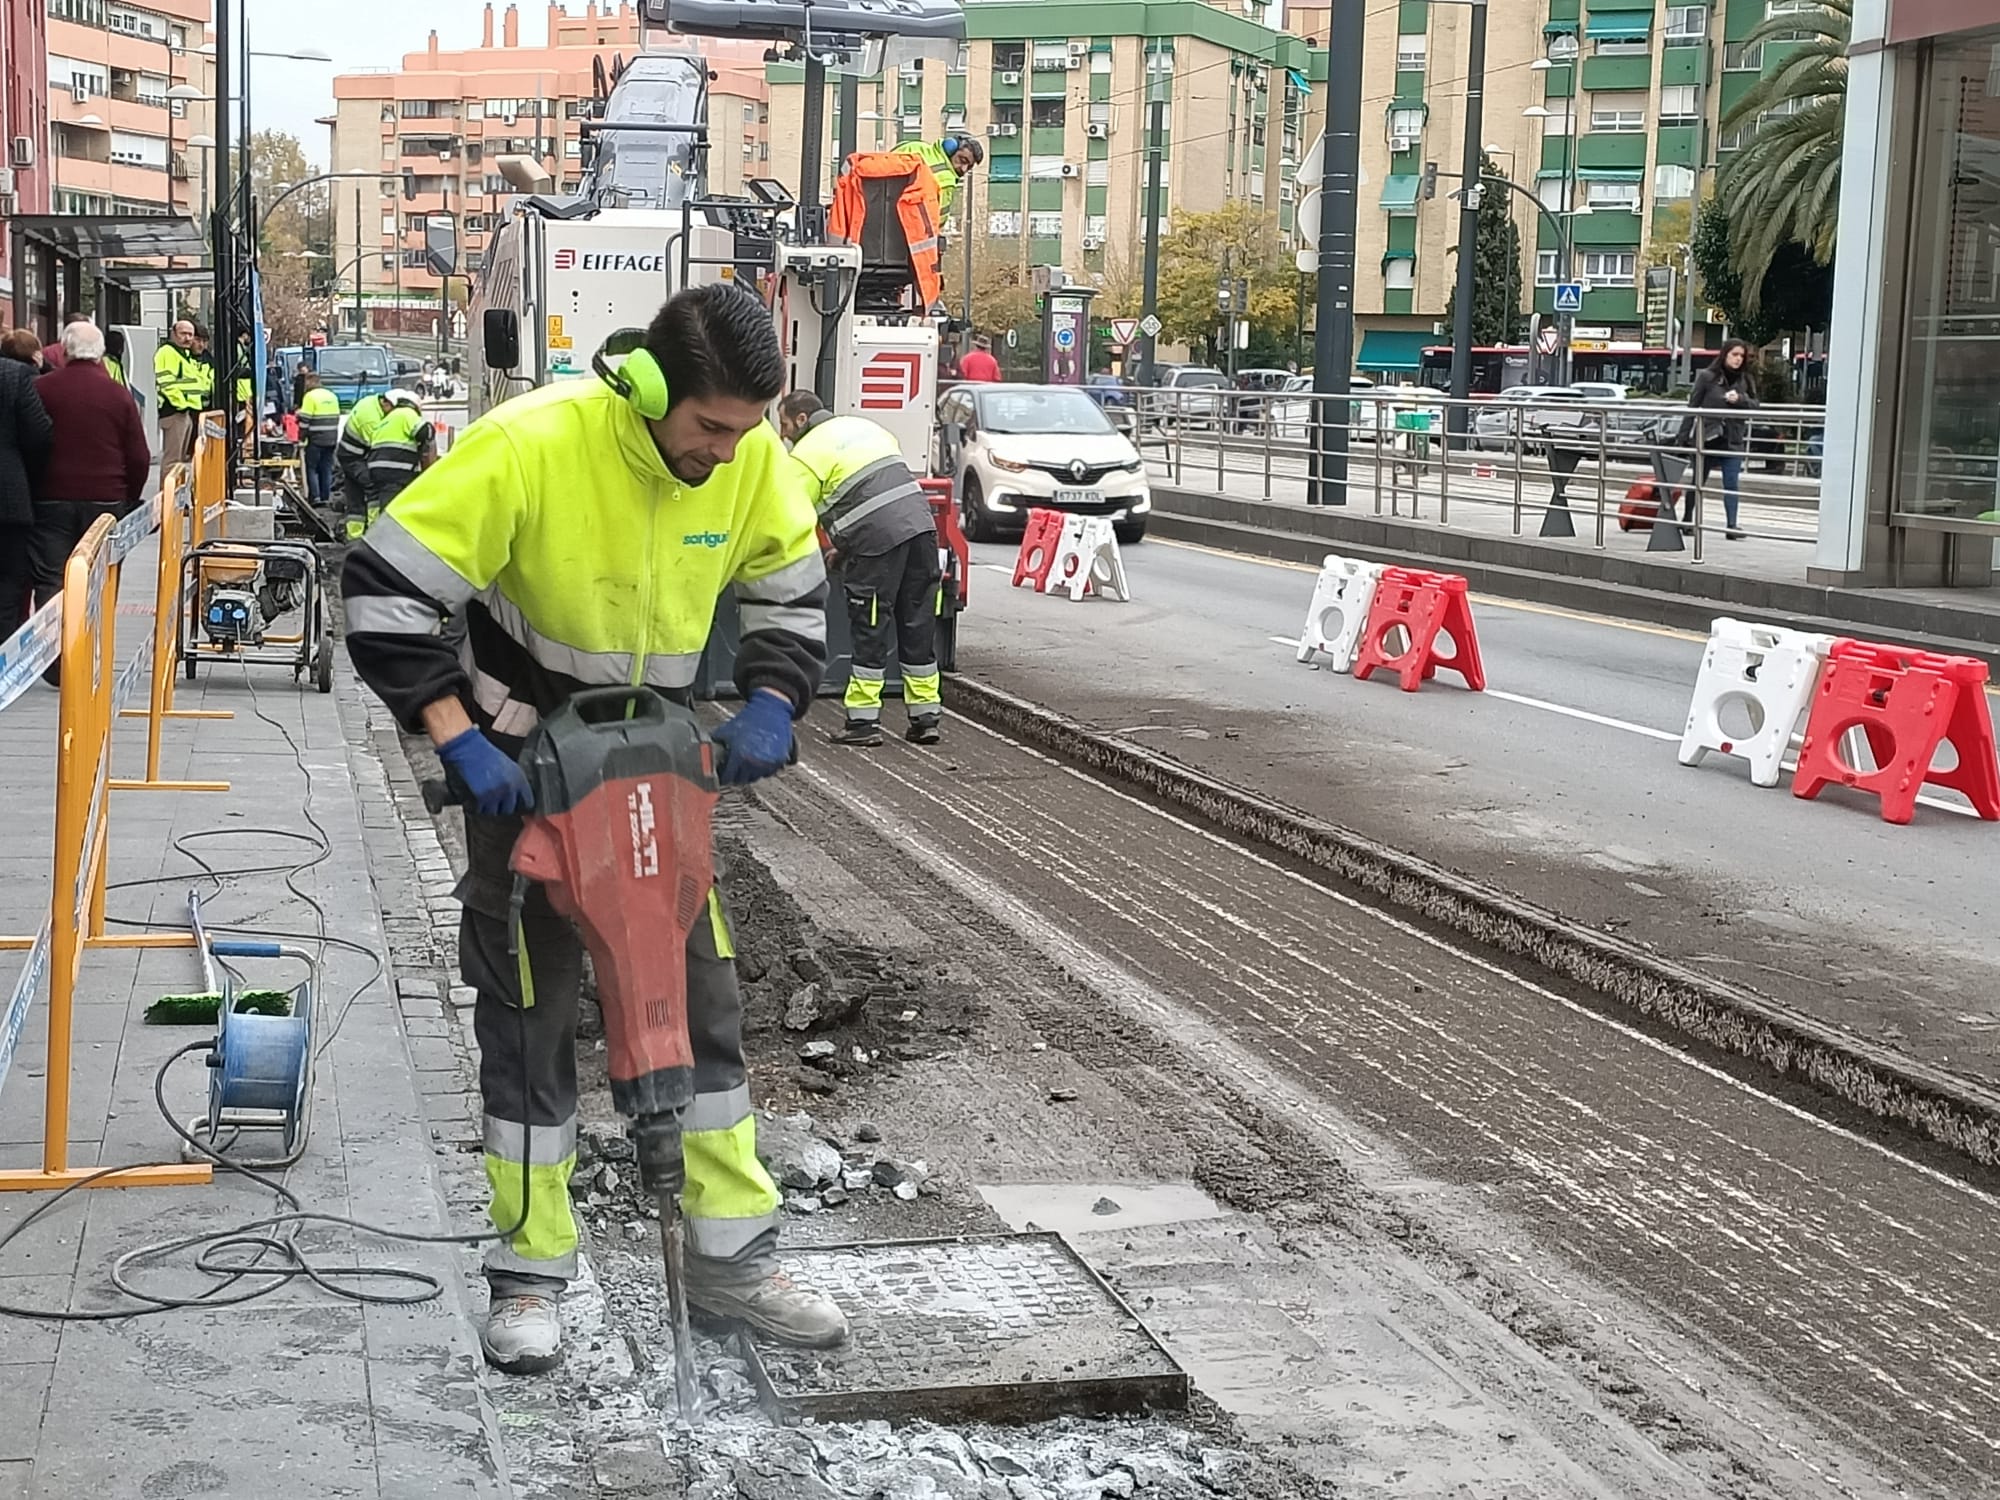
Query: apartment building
{"type": "Point", "coordinates": [1059, 93]}
{"type": "Point", "coordinates": [439, 123]}
{"type": "Point", "coordinates": [1606, 110]}
{"type": "Point", "coordinates": [24, 119]}
{"type": "Point", "coordinates": [116, 143]}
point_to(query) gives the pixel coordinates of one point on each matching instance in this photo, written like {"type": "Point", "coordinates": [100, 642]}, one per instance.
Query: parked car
{"type": "Point", "coordinates": [1190, 395]}
{"type": "Point", "coordinates": [1525, 409]}
{"type": "Point", "coordinates": [1255, 386]}
{"type": "Point", "coordinates": [1292, 412]}
{"type": "Point", "coordinates": [1009, 449]}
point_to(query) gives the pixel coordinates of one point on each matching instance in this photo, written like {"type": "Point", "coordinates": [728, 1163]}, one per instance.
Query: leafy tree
{"type": "Point", "coordinates": [1496, 274]}
{"type": "Point", "coordinates": [1242, 242]}
{"type": "Point", "coordinates": [1783, 187]}
{"type": "Point", "coordinates": [1003, 300]}
{"type": "Point", "coordinates": [1794, 291]}
{"type": "Point", "coordinates": [304, 221]}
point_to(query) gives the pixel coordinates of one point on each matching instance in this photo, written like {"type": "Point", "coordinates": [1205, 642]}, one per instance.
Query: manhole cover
{"type": "Point", "coordinates": [1004, 1328]}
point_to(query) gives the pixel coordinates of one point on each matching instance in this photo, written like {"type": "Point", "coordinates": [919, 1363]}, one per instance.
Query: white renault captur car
{"type": "Point", "coordinates": [1010, 449]}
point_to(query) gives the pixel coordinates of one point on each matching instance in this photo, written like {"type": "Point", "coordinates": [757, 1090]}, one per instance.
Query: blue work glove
{"type": "Point", "coordinates": [757, 740]}
{"type": "Point", "coordinates": [493, 782]}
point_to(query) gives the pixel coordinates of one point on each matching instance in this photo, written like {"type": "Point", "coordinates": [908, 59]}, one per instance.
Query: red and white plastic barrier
{"type": "Point", "coordinates": [1342, 596]}
{"type": "Point", "coordinates": [1904, 705]}
{"type": "Point", "coordinates": [1875, 716]}
{"type": "Point", "coordinates": [1767, 674]}
{"type": "Point", "coordinates": [1425, 608]}
{"type": "Point", "coordinates": [1075, 555]}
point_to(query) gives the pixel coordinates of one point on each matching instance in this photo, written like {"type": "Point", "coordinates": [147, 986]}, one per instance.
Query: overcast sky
{"type": "Point", "coordinates": [289, 96]}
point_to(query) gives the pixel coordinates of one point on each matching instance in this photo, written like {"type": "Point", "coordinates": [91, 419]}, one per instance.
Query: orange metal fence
{"type": "Point", "coordinates": [77, 628]}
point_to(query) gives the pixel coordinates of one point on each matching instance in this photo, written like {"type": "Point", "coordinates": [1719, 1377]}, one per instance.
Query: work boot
{"type": "Point", "coordinates": [523, 1335]}
{"type": "Point", "coordinates": [925, 731]}
{"type": "Point", "coordinates": [863, 733]}
{"type": "Point", "coordinates": [776, 1305]}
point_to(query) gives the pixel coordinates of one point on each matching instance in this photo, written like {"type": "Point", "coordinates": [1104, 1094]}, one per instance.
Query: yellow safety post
{"type": "Point", "coordinates": [176, 511]}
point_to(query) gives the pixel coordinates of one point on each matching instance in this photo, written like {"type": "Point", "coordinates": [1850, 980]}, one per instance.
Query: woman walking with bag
{"type": "Point", "coordinates": [1724, 386]}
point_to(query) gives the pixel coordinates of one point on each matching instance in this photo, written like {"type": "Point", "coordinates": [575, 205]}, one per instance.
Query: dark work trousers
{"type": "Point", "coordinates": [17, 576]}
{"type": "Point", "coordinates": [353, 484]}
{"type": "Point", "coordinates": [892, 600]}
{"type": "Point", "coordinates": [529, 1096]}
{"type": "Point", "coordinates": [59, 526]}
{"type": "Point", "coordinates": [319, 474]}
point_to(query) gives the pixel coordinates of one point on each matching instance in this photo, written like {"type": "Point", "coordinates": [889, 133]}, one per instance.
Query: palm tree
{"type": "Point", "coordinates": [1784, 185]}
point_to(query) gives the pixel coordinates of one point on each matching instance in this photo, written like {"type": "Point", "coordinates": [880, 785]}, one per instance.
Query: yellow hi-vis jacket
{"type": "Point", "coordinates": [581, 561]}
{"type": "Point", "coordinates": [183, 382]}
{"type": "Point", "coordinates": [942, 171]}
{"type": "Point", "coordinates": [868, 500]}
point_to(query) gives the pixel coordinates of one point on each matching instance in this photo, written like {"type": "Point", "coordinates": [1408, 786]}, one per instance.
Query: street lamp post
{"type": "Point", "coordinates": [1514, 241]}
{"type": "Point", "coordinates": [1469, 199]}
{"type": "Point", "coordinates": [1566, 263]}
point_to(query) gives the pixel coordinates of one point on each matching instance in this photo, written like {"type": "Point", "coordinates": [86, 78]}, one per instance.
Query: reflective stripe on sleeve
{"type": "Point", "coordinates": [791, 618]}
{"type": "Point", "coordinates": [416, 562]}
{"type": "Point", "coordinates": [388, 614]}
{"type": "Point", "coordinates": [793, 581]}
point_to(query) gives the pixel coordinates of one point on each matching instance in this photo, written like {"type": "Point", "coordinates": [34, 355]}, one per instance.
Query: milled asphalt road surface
{"type": "Point", "coordinates": [1560, 783]}
{"type": "Point", "coordinates": [1856, 1286]}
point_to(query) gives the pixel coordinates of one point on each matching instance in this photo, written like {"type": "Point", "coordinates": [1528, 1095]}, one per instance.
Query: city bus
{"type": "Point", "coordinates": [1645, 372]}
{"type": "Point", "coordinates": [1498, 367]}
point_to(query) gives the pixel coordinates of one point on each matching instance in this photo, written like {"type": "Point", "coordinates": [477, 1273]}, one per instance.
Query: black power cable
{"type": "Point", "coordinates": [266, 1250]}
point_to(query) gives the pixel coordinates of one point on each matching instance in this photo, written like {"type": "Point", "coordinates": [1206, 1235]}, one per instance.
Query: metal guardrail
{"type": "Point", "coordinates": [1556, 459]}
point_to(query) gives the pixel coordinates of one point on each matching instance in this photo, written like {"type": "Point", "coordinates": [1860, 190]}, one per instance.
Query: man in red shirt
{"type": "Point", "coordinates": [98, 463]}
{"type": "Point", "coordinates": [980, 363]}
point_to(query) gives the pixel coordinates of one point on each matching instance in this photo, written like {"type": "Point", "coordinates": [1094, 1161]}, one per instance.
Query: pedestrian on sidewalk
{"type": "Point", "coordinates": [98, 461]}
{"type": "Point", "coordinates": [181, 383]}
{"type": "Point", "coordinates": [1726, 385]}
{"type": "Point", "coordinates": [587, 530]}
{"type": "Point", "coordinates": [979, 364]}
{"type": "Point", "coordinates": [881, 535]}
{"type": "Point", "coordinates": [52, 354]}
{"type": "Point", "coordinates": [319, 429]}
{"type": "Point", "coordinates": [24, 444]}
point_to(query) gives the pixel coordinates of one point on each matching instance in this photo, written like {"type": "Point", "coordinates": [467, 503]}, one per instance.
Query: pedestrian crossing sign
{"type": "Point", "coordinates": [1569, 296]}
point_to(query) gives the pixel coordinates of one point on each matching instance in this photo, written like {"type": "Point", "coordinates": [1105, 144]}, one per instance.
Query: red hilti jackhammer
{"type": "Point", "coordinates": [624, 783]}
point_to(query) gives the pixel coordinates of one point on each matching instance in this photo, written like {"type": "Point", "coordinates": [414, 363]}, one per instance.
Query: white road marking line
{"type": "Point", "coordinates": [1630, 728]}
{"type": "Point", "coordinates": [1584, 714]}
{"type": "Point", "coordinates": [1630, 1033]}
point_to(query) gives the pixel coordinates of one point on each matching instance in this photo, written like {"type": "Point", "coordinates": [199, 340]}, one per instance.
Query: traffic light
{"type": "Point", "coordinates": [1430, 180]}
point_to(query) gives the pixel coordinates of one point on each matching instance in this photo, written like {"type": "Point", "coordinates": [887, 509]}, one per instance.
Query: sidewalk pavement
{"type": "Point", "coordinates": [300, 1394]}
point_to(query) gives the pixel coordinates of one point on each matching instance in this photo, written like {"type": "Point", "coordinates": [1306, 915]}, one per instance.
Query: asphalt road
{"type": "Point", "coordinates": [1828, 1305]}
{"type": "Point", "coordinates": [1559, 782]}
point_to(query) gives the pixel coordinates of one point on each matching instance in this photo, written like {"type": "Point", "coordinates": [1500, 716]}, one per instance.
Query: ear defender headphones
{"type": "Point", "coordinates": [950, 144]}
{"type": "Point", "coordinates": [640, 380]}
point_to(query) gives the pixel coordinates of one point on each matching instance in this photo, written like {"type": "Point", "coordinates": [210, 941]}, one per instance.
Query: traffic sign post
{"type": "Point", "coordinates": [1150, 326]}
{"type": "Point", "coordinates": [1569, 296]}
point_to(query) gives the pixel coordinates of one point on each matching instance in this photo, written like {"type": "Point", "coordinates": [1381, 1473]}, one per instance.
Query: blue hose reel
{"type": "Point", "coordinates": [261, 1067]}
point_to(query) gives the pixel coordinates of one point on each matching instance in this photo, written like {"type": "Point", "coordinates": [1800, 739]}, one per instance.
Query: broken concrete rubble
{"type": "Point", "coordinates": [1128, 1460]}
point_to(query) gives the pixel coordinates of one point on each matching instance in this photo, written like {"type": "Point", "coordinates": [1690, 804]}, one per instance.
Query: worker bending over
{"type": "Point", "coordinates": [352, 454]}
{"type": "Point", "coordinates": [950, 159]}
{"type": "Point", "coordinates": [879, 531]}
{"type": "Point", "coordinates": [402, 444]}
{"type": "Point", "coordinates": [587, 529]}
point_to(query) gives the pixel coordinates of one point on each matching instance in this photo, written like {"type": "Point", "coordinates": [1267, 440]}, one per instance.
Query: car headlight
{"type": "Point", "coordinates": [1006, 463]}
{"type": "Point", "coordinates": [1136, 466]}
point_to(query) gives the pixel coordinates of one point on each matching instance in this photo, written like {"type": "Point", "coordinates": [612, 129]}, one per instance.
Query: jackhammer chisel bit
{"type": "Point", "coordinates": [662, 1173]}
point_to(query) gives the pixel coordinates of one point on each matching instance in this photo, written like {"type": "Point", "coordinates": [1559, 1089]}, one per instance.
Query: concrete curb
{"type": "Point", "coordinates": [1613, 584]}
{"type": "Point", "coordinates": [1937, 1106]}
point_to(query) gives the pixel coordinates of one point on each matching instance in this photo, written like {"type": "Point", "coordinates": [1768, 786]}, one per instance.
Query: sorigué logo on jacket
{"type": "Point", "coordinates": [710, 539]}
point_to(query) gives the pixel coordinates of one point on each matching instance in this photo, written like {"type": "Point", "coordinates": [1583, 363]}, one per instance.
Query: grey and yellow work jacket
{"type": "Point", "coordinates": [354, 438]}
{"type": "Point", "coordinates": [580, 561]}
{"type": "Point", "coordinates": [396, 451]}
{"type": "Point", "coordinates": [319, 418]}
{"type": "Point", "coordinates": [868, 501]}
{"type": "Point", "coordinates": [182, 380]}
